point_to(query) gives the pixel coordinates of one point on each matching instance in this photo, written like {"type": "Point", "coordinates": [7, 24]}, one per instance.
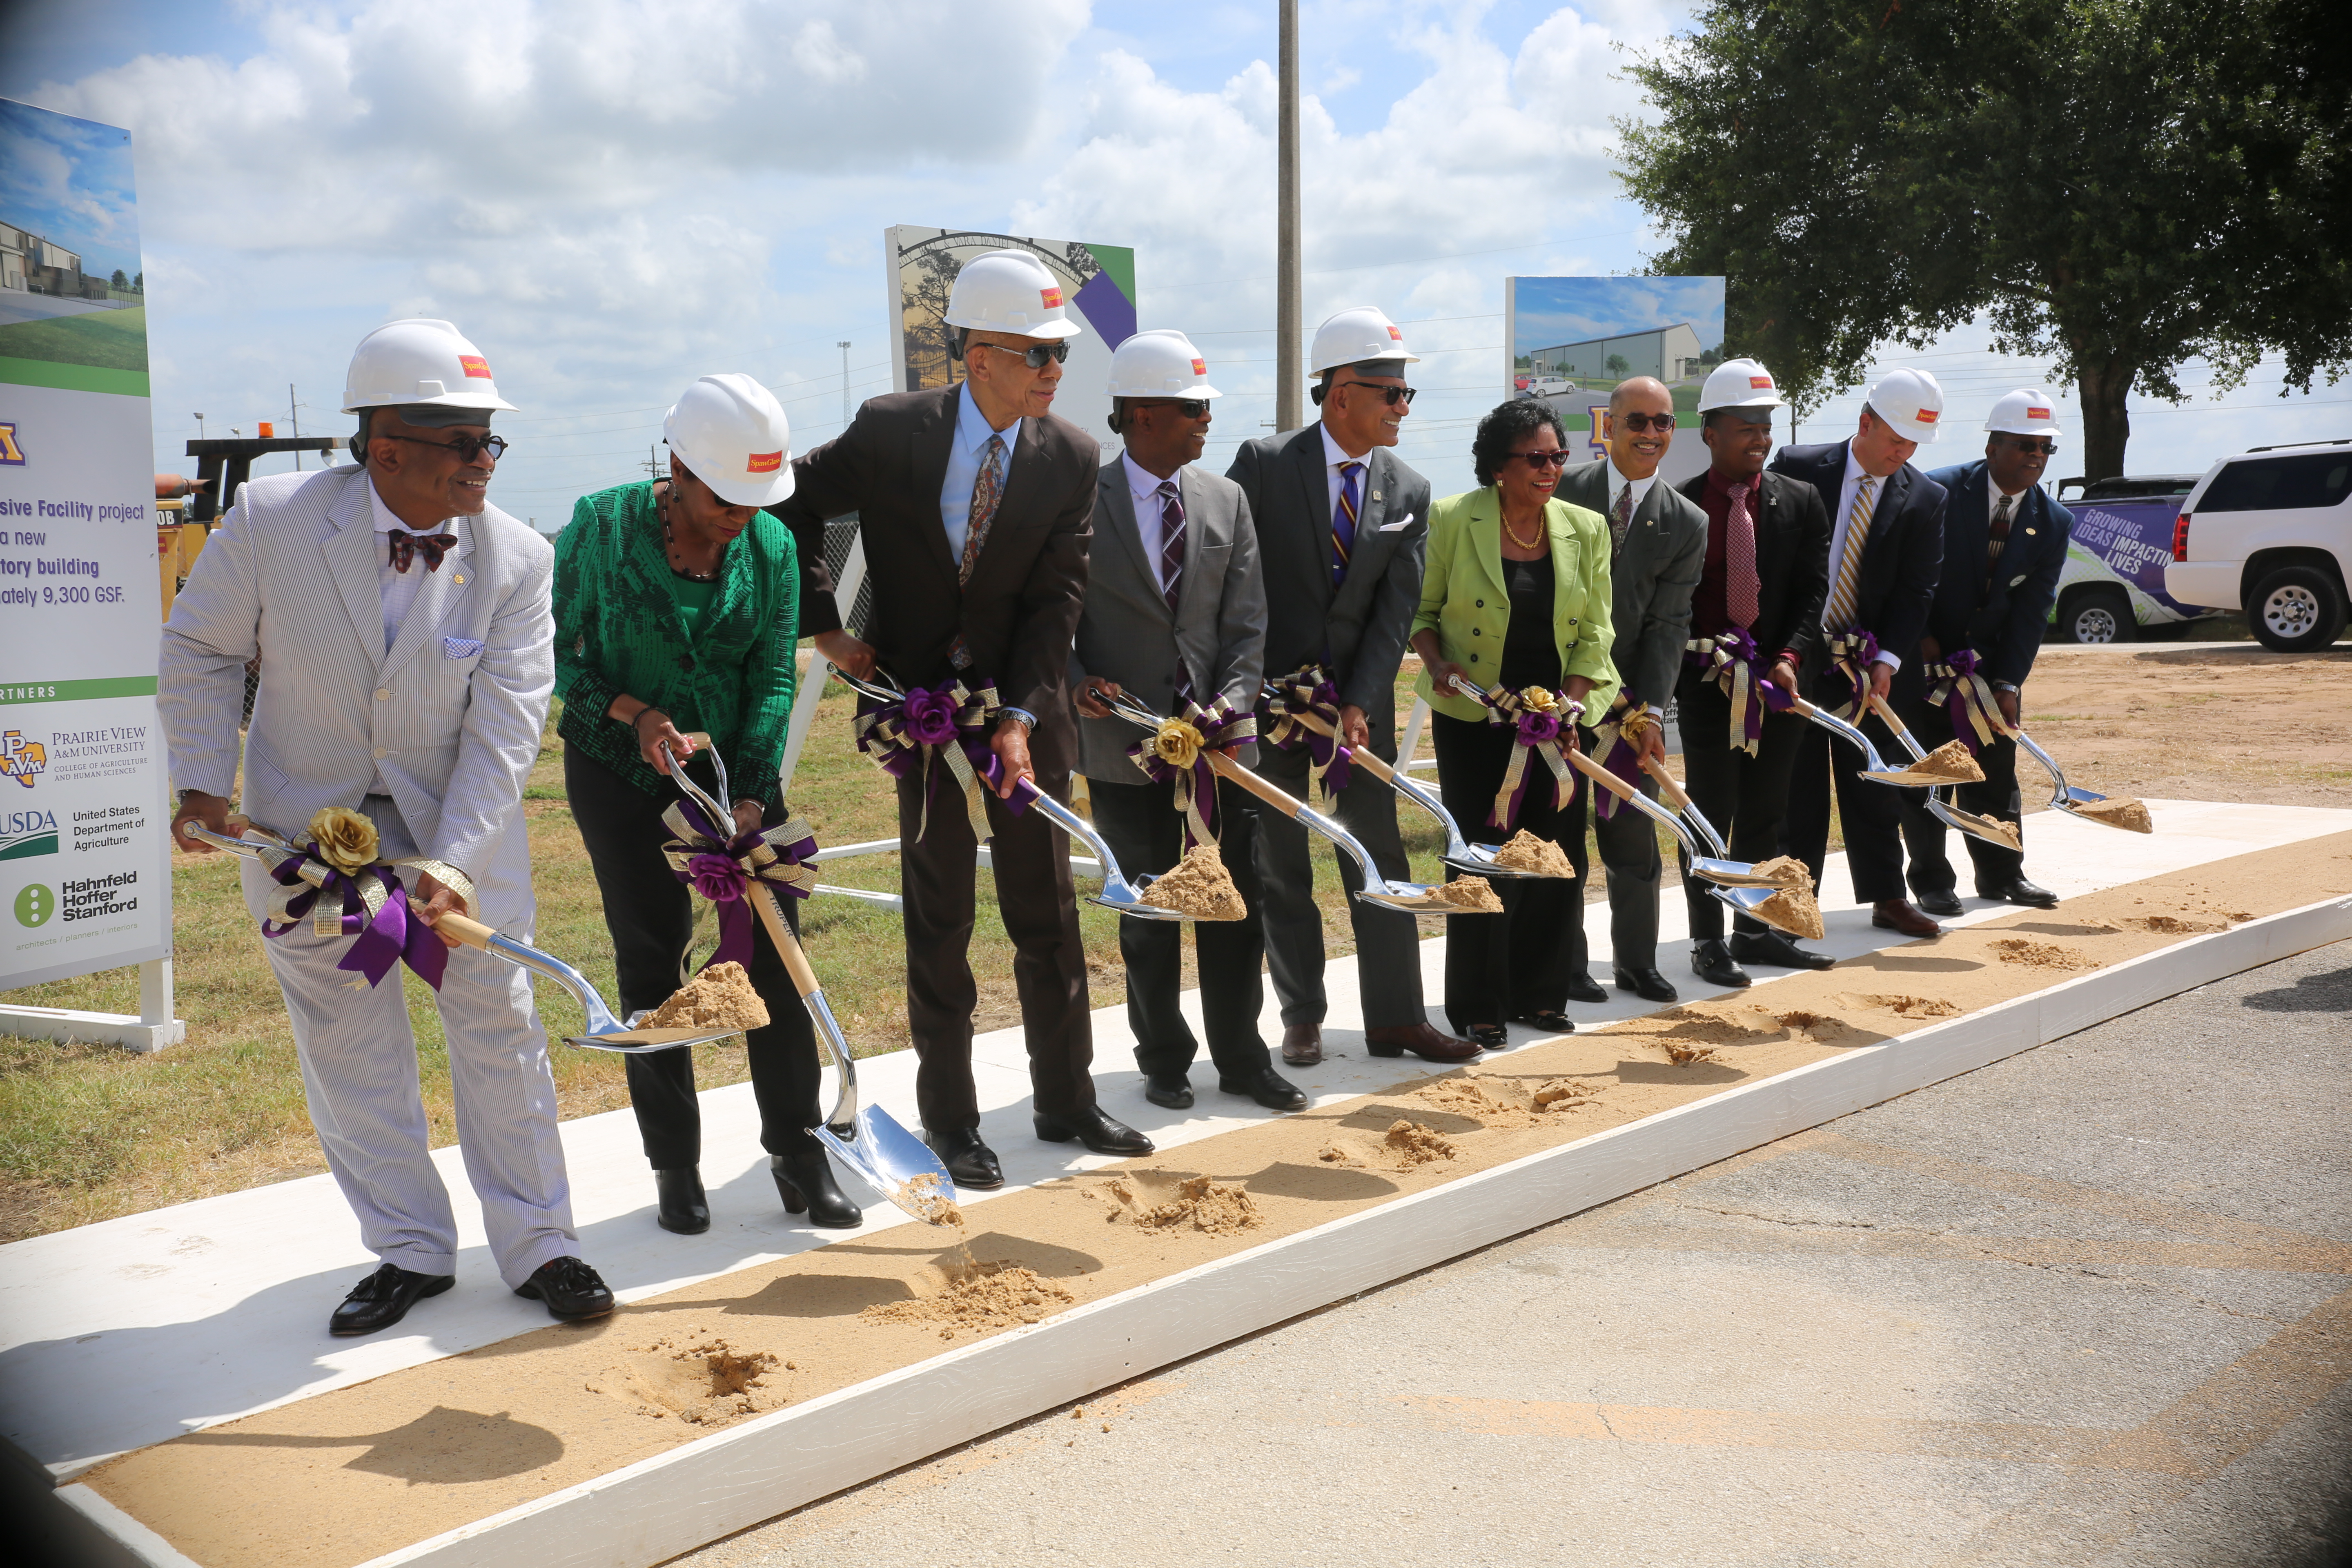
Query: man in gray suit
{"type": "Point", "coordinates": [405, 673]}
{"type": "Point", "coordinates": [1658, 551]}
{"type": "Point", "coordinates": [1175, 611]}
{"type": "Point", "coordinates": [1343, 529]}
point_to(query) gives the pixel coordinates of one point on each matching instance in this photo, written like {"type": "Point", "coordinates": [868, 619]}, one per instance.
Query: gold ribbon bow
{"type": "Point", "coordinates": [1536, 699]}
{"type": "Point", "coordinates": [340, 840]}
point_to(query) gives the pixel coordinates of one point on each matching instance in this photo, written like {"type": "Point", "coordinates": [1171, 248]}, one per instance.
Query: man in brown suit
{"type": "Point", "coordinates": [976, 506]}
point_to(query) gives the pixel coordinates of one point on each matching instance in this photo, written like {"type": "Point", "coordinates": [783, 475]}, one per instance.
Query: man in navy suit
{"type": "Point", "coordinates": [1886, 545]}
{"type": "Point", "coordinates": [2004, 545]}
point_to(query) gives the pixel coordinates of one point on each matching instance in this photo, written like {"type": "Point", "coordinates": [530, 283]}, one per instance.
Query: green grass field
{"type": "Point", "coordinates": [109, 340]}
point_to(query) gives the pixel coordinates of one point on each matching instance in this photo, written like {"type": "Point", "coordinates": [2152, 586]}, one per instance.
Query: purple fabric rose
{"type": "Point", "coordinates": [716, 878]}
{"type": "Point", "coordinates": [1535, 727]}
{"type": "Point", "coordinates": [931, 717]}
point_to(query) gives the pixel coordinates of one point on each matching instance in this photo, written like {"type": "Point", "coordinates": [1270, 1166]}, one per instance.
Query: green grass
{"type": "Point", "coordinates": [109, 340]}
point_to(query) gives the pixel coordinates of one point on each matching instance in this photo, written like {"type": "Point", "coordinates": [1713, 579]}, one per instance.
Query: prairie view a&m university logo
{"type": "Point", "coordinates": [22, 759]}
{"type": "Point", "coordinates": [11, 454]}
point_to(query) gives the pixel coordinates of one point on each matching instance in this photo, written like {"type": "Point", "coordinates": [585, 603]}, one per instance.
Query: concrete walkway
{"type": "Point", "coordinates": [2088, 1306]}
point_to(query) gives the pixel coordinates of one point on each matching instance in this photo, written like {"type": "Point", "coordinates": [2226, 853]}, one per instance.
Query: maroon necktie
{"type": "Point", "coordinates": [1740, 588]}
{"type": "Point", "coordinates": [1998, 535]}
{"type": "Point", "coordinates": [406, 547]}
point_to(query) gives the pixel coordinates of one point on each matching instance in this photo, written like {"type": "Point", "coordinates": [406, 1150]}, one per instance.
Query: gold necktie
{"type": "Point", "coordinates": [1849, 578]}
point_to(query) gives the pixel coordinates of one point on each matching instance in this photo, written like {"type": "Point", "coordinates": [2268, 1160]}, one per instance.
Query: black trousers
{"type": "Point", "coordinates": [1146, 832]}
{"type": "Point", "coordinates": [1743, 796]}
{"type": "Point", "coordinates": [1518, 963]}
{"type": "Point", "coordinates": [1871, 814]}
{"type": "Point", "coordinates": [650, 915]}
{"type": "Point", "coordinates": [1996, 796]}
{"type": "Point", "coordinates": [1039, 904]}
{"type": "Point", "coordinates": [1388, 942]}
{"type": "Point", "coordinates": [1629, 851]}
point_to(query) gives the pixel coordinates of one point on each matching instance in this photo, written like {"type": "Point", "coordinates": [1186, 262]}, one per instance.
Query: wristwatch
{"type": "Point", "coordinates": [1028, 720]}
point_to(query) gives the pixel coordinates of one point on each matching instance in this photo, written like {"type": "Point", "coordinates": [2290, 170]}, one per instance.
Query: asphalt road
{"type": "Point", "coordinates": [2088, 1306]}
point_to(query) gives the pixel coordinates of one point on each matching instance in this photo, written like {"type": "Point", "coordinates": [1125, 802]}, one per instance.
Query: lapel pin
{"type": "Point", "coordinates": [460, 578]}
{"type": "Point", "coordinates": [1376, 495]}
{"type": "Point", "coordinates": [2029, 531]}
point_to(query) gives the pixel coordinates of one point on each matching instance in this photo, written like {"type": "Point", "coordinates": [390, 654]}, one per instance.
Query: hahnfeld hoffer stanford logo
{"type": "Point", "coordinates": [21, 759]}
{"type": "Point", "coordinates": [26, 833]}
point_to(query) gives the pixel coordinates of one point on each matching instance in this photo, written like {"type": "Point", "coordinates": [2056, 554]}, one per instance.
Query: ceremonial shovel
{"type": "Point", "coordinates": [2068, 799]}
{"type": "Point", "coordinates": [1118, 892]}
{"type": "Point", "coordinates": [1878, 771]}
{"type": "Point", "coordinates": [606, 1031]}
{"type": "Point", "coordinates": [1991, 829]}
{"type": "Point", "coordinates": [868, 1139]}
{"type": "Point", "coordinates": [1412, 898]}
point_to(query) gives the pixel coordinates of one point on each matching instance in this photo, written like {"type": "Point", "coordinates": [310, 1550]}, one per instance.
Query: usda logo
{"type": "Point", "coordinates": [36, 904]}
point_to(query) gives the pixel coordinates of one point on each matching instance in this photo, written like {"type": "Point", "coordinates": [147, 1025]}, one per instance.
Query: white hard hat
{"type": "Point", "coordinates": [1739, 384]}
{"type": "Point", "coordinates": [2027, 411]}
{"type": "Point", "coordinates": [730, 432]}
{"type": "Point", "coordinates": [1358, 333]}
{"type": "Point", "coordinates": [1161, 362]}
{"type": "Point", "coordinates": [419, 361]}
{"type": "Point", "coordinates": [1009, 291]}
{"type": "Point", "coordinates": [1910, 402]}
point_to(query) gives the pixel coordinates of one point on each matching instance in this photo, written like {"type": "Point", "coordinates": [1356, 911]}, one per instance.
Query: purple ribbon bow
{"type": "Point", "coordinates": [1309, 692]}
{"type": "Point", "coordinates": [720, 865]}
{"type": "Point", "coordinates": [389, 936]}
{"type": "Point", "coordinates": [1195, 781]}
{"type": "Point", "coordinates": [1852, 653]}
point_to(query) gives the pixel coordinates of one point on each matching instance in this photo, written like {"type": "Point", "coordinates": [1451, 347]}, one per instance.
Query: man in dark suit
{"type": "Point", "coordinates": [1342, 527]}
{"type": "Point", "coordinates": [975, 504]}
{"type": "Point", "coordinates": [1658, 551]}
{"type": "Point", "coordinates": [1886, 545]}
{"type": "Point", "coordinates": [2004, 546]}
{"type": "Point", "coordinates": [1764, 575]}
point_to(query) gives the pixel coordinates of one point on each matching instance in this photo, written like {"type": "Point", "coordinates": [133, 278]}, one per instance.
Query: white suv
{"type": "Point", "coordinates": [2270, 532]}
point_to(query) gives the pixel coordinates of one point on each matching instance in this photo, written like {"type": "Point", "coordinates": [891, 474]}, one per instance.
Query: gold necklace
{"type": "Point", "coordinates": [1522, 543]}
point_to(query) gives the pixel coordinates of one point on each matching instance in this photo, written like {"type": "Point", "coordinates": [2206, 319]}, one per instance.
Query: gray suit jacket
{"type": "Point", "coordinates": [1126, 634]}
{"type": "Point", "coordinates": [451, 716]}
{"type": "Point", "coordinates": [1360, 630]}
{"type": "Point", "coordinates": [1655, 575]}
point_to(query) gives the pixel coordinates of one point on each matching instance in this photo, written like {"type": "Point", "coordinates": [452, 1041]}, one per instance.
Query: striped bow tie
{"type": "Point", "coordinates": [406, 547]}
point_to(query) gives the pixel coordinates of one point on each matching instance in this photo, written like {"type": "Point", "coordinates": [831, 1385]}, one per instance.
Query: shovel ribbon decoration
{"type": "Point", "coordinates": [720, 865]}
{"type": "Point", "coordinates": [1617, 740]}
{"type": "Point", "coordinates": [1309, 691]}
{"type": "Point", "coordinates": [1852, 653]}
{"type": "Point", "coordinates": [330, 875]}
{"type": "Point", "coordinates": [1542, 718]}
{"type": "Point", "coordinates": [1730, 659]}
{"type": "Point", "coordinates": [1177, 751]}
{"type": "Point", "coordinates": [943, 726]}
{"type": "Point", "coordinates": [1962, 690]}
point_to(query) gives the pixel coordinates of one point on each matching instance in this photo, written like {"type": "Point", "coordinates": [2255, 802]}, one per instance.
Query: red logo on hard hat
{"type": "Point", "coordinates": [2037, 413]}
{"type": "Point", "coordinates": [1395, 335]}
{"type": "Point", "coordinates": [475, 365]}
{"type": "Point", "coordinates": [1200, 367]}
{"type": "Point", "coordinates": [1760, 383]}
{"type": "Point", "coordinates": [1925, 417]}
{"type": "Point", "coordinates": [765, 463]}
{"type": "Point", "coordinates": [1053, 298]}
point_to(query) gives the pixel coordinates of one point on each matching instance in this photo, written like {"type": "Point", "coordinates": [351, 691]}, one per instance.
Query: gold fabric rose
{"type": "Point", "coordinates": [1176, 742]}
{"type": "Point", "coordinates": [1540, 699]}
{"type": "Point", "coordinates": [346, 840]}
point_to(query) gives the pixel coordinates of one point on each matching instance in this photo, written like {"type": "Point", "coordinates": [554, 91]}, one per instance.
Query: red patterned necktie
{"type": "Point", "coordinates": [1741, 587]}
{"type": "Point", "coordinates": [406, 547]}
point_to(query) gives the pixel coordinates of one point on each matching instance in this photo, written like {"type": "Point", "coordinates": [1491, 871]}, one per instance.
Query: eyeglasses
{"type": "Point", "coordinates": [2046, 446]}
{"type": "Point", "coordinates": [1036, 358]}
{"type": "Point", "coordinates": [1638, 422]}
{"type": "Point", "coordinates": [1392, 396]}
{"type": "Point", "coordinates": [1554, 458]}
{"type": "Point", "coordinates": [467, 448]}
{"type": "Point", "coordinates": [1189, 408]}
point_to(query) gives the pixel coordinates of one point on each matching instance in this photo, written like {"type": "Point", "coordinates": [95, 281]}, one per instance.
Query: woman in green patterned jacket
{"type": "Point", "coordinates": [676, 604]}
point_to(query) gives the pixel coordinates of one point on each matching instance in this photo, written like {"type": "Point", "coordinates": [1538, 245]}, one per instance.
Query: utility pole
{"type": "Point", "coordinates": [294, 423]}
{"type": "Point", "coordinates": [1290, 381]}
{"type": "Point", "coordinates": [845, 385]}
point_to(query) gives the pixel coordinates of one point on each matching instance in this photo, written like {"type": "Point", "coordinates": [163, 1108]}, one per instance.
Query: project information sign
{"type": "Point", "coordinates": [1569, 340]}
{"type": "Point", "coordinates": [85, 859]}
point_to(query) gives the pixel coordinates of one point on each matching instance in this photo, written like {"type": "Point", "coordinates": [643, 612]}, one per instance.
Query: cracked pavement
{"type": "Point", "coordinates": [2089, 1306]}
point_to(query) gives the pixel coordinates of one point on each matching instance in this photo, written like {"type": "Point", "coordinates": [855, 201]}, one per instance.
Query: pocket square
{"type": "Point", "coordinates": [461, 648]}
{"type": "Point", "coordinates": [2014, 581]}
{"type": "Point", "coordinates": [1404, 522]}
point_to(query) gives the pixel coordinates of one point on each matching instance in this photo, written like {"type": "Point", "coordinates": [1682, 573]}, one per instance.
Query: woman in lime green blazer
{"type": "Point", "coordinates": [1516, 595]}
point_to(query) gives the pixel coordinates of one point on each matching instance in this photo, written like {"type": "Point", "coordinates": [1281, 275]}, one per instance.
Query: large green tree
{"type": "Point", "coordinates": [2121, 184]}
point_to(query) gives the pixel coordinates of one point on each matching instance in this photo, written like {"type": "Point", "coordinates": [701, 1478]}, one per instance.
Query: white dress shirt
{"type": "Point", "coordinates": [1846, 488]}
{"type": "Point", "coordinates": [1333, 461]}
{"type": "Point", "coordinates": [398, 590]}
{"type": "Point", "coordinates": [965, 455]}
{"type": "Point", "coordinates": [1143, 485]}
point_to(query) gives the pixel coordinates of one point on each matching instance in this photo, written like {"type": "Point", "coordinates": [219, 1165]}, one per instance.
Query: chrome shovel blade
{"type": "Point", "coordinates": [1730, 873]}
{"type": "Point", "coordinates": [1478, 860]}
{"type": "Point", "coordinates": [1751, 901]}
{"type": "Point", "coordinates": [892, 1160]}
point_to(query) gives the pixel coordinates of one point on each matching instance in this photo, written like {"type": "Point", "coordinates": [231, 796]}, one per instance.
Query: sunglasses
{"type": "Point", "coordinates": [1637, 423]}
{"type": "Point", "coordinates": [1189, 408]}
{"type": "Point", "coordinates": [1392, 396]}
{"type": "Point", "coordinates": [1036, 358]}
{"type": "Point", "coordinates": [1555, 458]}
{"type": "Point", "coordinates": [467, 448]}
{"type": "Point", "coordinates": [2045, 445]}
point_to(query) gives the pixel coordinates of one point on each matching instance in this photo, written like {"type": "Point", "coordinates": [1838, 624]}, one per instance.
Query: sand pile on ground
{"type": "Point", "coordinates": [1952, 761]}
{"type": "Point", "coordinates": [1405, 1146]}
{"type": "Point", "coordinates": [1681, 1053]}
{"type": "Point", "coordinates": [2118, 811]}
{"type": "Point", "coordinates": [1473, 893]}
{"type": "Point", "coordinates": [1198, 885]}
{"type": "Point", "coordinates": [1489, 1105]}
{"type": "Point", "coordinates": [1694, 1025]}
{"type": "Point", "coordinates": [1197, 1203]}
{"type": "Point", "coordinates": [1566, 1094]}
{"type": "Point", "coordinates": [1809, 1022]}
{"type": "Point", "coordinates": [1525, 852]}
{"type": "Point", "coordinates": [720, 997]}
{"type": "Point", "coordinates": [695, 1377]}
{"type": "Point", "coordinates": [931, 1198]}
{"type": "Point", "coordinates": [1794, 910]}
{"type": "Point", "coordinates": [2042, 954]}
{"type": "Point", "coordinates": [2172, 925]}
{"type": "Point", "coordinates": [1902, 1006]}
{"type": "Point", "coordinates": [978, 1296]}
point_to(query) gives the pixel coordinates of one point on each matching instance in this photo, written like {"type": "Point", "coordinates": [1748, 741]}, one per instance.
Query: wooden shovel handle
{"type": "Point", "coordinates": [1666, 784]}
{"type": "Point", "coordinates": [472, 932]}
{"type": "Point", "coordinates": [1362, 759]}
{"type": "Point", "coordinates": [1596, 774]}
{"type": "Point", "coordinates": [788, 947]}
{"type": "Point", "coordinates": [1228, 768]}
{"type": "Point", "coordinates": [1885, 711]}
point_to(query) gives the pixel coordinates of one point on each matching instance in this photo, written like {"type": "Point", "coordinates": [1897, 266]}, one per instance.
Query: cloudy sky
{"type": "Point", "coordinates": [614, 196]}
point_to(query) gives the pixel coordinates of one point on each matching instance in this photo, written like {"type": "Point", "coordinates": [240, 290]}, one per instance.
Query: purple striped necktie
{"type": "Point", "coordinates": [1343, 521]}
{"type": "Point", "coordinates": [1172, 570]}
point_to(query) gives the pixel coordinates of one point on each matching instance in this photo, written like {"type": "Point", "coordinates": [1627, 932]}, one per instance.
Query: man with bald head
{"type": "Point", "coordinates": [1658, 544]}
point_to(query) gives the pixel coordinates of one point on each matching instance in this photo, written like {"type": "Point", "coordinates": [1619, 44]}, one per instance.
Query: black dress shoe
{"type": "Point", "coordinates": [1582, 987]}
{"type": "Point", "coordinates": [1711, 961]}
{"type": "Point", "coordinates": [1552, 1020]}
{"type": "Point", "coordinates": [683, 1205]}
{"type": "Point", "coordinates": [1902, 915]}
{"type": "Point", "coordinates": [2017, 891]}
{"type": "Point", "coordinates": [1941, 901]}
{"type": "Point", "coordinates": [1648, 985]}
{"type": "Point", "coordinates": [383, 1297]}
{"type": "Point", "coordinates": [970, 1163]}
{"type": "Point", "coordinates": [804, 1181]}
{"type": "Point", "coordinates": [571, 1289]}
{"type": "Point", "coordinates": [1486, 1036]}
{"type": "Point", "coordinates": [1173, 1089]}
{"type": "Point", "coordinates": [1268, 1087]}
{"type": "Point", "coordinates": [1094, 1128]}
{"type": "Point", "coordinates": [1774, 948]}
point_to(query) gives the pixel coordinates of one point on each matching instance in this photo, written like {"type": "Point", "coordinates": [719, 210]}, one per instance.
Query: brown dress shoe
{"type": "Point", "coordinates": [1302, 1045]}
{"type": "Point", "coordinates": [1422, 1040]}
{"type": "Point", "coordinates": [1899, 915]}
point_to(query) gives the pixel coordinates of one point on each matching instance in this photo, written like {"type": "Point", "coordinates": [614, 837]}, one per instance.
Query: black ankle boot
{"type": "Point", "coordinates": [805, 1181]}
{"type": "Point", "coordinates": [683, 1208]}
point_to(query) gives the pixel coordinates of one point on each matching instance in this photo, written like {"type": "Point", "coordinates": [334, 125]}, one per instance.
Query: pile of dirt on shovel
{"type": "Point", "coordinates": [1199, 886]}
{"type": "Point", "coordinates": [720, 997]}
